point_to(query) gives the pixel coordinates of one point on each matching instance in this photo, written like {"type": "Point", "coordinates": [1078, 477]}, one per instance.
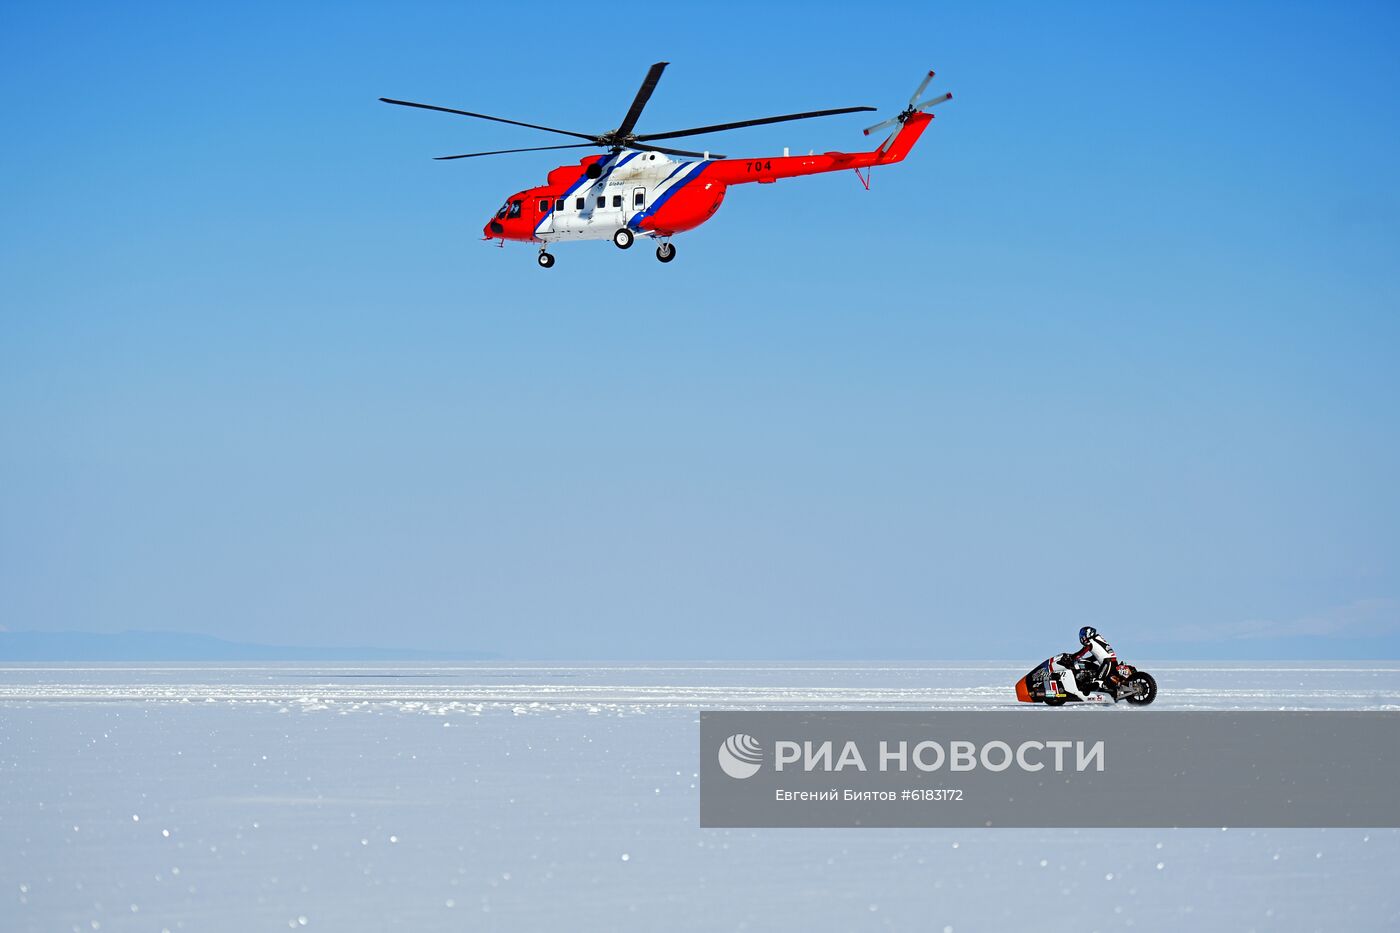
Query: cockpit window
{"type": "Point", "coordinates": [501, 214]}
{"type": "Point", "coordinates": [514, 211]}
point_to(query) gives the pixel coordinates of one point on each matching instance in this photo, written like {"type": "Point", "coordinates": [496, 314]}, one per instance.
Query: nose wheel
{"type": "Point", "coordinates": [666, 252]}
{"type": "Point", "coordinates": [546, 260]}
{"type": "Point", "coordinates": [623, 238]}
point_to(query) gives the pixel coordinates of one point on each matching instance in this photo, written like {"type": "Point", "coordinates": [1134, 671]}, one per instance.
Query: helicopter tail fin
{"type": "Point", "coordinates": [906, 126]}
{"type": "Point", "coordinates": [898, 144]}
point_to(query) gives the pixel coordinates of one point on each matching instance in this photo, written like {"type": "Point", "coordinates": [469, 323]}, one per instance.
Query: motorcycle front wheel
{"type": "Point", "coordinates": [1142, 689]}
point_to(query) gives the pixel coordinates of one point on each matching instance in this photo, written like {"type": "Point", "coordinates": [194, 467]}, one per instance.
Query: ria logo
{"type": "Point", "coordinates": [741, 756]}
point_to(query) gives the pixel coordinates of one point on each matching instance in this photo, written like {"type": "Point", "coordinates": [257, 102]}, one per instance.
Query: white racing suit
{"type": "Point", "coordinates": [1103, 653]}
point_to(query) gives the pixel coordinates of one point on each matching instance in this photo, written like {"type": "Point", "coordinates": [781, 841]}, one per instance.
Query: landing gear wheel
{"type": "Point", "coordinates": [665, 252]}
{"type": "Point", "coordinates": [545, 260]}
{"type": "Point", "coordinates": [1142, 689]}
{"type": "Point", "coordinates": [623, 238]}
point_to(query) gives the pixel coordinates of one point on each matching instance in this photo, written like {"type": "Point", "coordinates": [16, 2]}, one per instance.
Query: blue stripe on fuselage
{"type": "Point", "coordinates": [674, 171]}
{"type": "Point", "coordinates": [584, 177]}
{"type": "Point", "coordinates": [636, 221]}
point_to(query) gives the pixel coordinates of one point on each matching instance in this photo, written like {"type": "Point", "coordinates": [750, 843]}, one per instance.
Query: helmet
{"type": "Point", "coordinates": [1086, 633]}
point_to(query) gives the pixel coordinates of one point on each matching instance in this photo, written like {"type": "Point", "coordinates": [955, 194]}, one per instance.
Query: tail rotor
{"type": "Point", "coordinates": [915, 106]}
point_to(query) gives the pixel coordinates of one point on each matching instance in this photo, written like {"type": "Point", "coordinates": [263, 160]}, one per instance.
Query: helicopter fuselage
{"type": "Point", "coordinates": [656, 196]}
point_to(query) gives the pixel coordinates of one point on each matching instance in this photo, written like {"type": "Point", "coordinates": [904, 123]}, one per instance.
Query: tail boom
{"type": "Point", "coordinates": [765, 170]}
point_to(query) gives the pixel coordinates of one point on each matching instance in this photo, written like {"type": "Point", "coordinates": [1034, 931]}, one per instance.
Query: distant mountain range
{"type": "Point", "coordinates": [184, 646]}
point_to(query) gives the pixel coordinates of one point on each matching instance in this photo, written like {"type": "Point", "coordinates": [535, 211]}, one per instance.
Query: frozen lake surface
{"type": "Point", "coordinates": [531, 797]}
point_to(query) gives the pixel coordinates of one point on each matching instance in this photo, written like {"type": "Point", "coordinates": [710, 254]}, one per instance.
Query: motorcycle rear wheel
{"type": "Point", "coordinates": [1143, 687]}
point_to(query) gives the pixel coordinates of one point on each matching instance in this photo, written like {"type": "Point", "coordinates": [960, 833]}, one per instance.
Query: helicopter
{"type": "Point", "coordinates": [639, 189]}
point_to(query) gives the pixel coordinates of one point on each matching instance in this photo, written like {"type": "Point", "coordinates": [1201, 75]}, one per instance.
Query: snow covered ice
{"type": "Point", "coordinates": [526, 797]}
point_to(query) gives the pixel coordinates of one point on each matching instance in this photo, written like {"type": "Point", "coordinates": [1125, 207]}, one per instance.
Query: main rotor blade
{"type": "Point", "coordinates": [734, 126]}
{"type": "Point", "coordinates": [473, 155]}
{"type": "Point", "coordinates": [482, 116]}
{"type": "Point", "coordinates": [920, 89]}
{"type": "Point", "coordinates": [679, 152]}
{"type": "Point", "coordinates": [643, 95]}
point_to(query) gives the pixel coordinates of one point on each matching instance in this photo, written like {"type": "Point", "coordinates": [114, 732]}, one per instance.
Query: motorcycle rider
{"type": "Point", "coordinates": [1094, 643]}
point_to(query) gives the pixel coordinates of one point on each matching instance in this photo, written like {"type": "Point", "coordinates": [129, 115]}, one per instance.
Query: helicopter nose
{"type": "Point", "coordinates": [493, 229]}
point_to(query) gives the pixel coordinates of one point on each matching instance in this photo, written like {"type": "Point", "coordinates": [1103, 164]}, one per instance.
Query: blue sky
{"type": "Point", "coordinates": [1117, 344]}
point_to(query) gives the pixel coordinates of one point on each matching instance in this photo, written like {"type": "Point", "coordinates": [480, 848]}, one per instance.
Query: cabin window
{"type": "Point", "coordinates": [578, 204]}
{"type": "Point", "coordinates": [617, 200]}
{"type": "Point", "coordinates": [544, 206]}
{"type": "Point", "coordinates": [559, 204]}
{"type": "Point", "coordinates": [602, 201]}
{"type": "Point", "coordinates": [639, 199]}
{"type": "Point", "coordinates": [514, 209]}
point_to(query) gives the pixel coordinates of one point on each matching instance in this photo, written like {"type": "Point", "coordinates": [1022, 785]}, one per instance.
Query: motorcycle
{"type": "Point", "coordinates": [1041, 685]}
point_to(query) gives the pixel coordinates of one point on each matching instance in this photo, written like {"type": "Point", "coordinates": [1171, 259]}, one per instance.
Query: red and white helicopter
{"type": "Point", "coordinates": [636, 189]}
